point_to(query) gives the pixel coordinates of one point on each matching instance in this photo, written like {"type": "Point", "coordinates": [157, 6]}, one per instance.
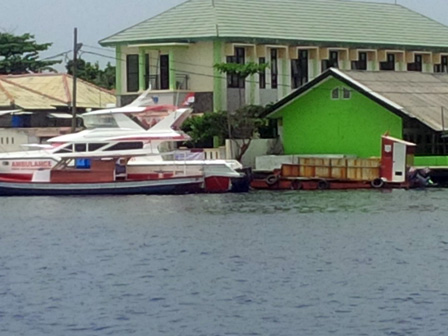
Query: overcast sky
{"type": "Point", "coordinates": [54, 20]}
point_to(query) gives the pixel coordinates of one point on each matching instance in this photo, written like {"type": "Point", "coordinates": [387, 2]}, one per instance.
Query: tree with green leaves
{"type": "Point", "coordinates": [19, 54]}
{"type": "Point", "coordinates": [203, 128]}
{"type": "Point", "coordinates": [92, 73]}
{"type": "Point", "coordinates": [245, 115]}
{"type": "Point", "coordinates": [246, 122]}
{"type": "Point", "coordinates": [241, 70]}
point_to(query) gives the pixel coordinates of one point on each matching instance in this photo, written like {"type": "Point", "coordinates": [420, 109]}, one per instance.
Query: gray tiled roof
{"type": "Point", "coordinates": [299, 21]}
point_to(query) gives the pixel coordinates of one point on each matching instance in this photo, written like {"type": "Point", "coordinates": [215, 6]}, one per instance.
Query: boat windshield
{"type": "Point", "coordinates": [100, 121]}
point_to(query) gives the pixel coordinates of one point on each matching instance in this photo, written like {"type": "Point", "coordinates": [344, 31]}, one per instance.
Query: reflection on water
{"type": "Point", "coordinates": [263, 263]}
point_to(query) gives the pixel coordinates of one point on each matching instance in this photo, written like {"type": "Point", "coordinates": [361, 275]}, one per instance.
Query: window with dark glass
{"type": "Point", "coordinates": [94, 146]}
{"type": "Point", "coordinates": [125, 146]}
{"type": "Point", "coordinates": [132, 73]}
{"type": "Point", "coordinates": [335, 93]}
{"type": "Point", "coordinates": [361, 63]}
{"type": "Point", "coordinates": [233, 80]}
{"type": "Point", "coordinates": [443, 66]}
{"type": "Point", "coordinates": [417, 65]}
{"type": "Point", "coordinates": [389, 65]}
{"type": "Point", "coordinates": [332, 62]}
{"type": "Point", "coordinates": [262, 74]}
{"type": "Point", "coordinates": [299, 69]}
{"type": "Point", "coordinates": [80, 147]}
{"type": "Point", "coordinates": [274, 68]}
{"type": "Point", "coordinates": [147, 71]}
{"type": "Point", "coordinates": [164, 72]}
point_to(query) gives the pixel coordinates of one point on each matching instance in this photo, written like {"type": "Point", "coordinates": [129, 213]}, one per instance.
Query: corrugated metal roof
{"type": "Point", "coordinates": [45, 91]}
{"type": "Point", "coordinates": [421, 95]}
{"type": "Point", "coordinates": [305, 21]}
{"type": "Point", "coordinates": [25, 99]}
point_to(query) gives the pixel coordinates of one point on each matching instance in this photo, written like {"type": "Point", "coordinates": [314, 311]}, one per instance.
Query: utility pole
{"type": "Point", "coordinates": [76, 47]}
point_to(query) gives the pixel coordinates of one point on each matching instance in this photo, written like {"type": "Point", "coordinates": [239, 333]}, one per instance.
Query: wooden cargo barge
{"type": "Point", "coordinates": [321, 173]}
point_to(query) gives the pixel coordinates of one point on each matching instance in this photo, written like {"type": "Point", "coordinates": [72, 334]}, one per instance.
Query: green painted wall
{"type": "Point", "coordinates": [141, 68]}
{"type": "Point", "coordinates": [118, 70]}
{"type": "Point", "coordinates": [217, 83]}
{"type": "Point", "coordinates": [431, 161]}
{"type": "Point", "coordinates": [316, 124]}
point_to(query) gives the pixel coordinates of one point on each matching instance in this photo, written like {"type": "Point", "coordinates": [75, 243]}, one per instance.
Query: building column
{"type": "Point", "coordinates": [284, 77]}
{"type": "Point", "coordinates": [217, 82]}
{"type": "Point", "coordinates": [250, 95]}
{"type": "Point", "coordinates": [172, 70]}
{"type": "Point", "coordinates": [118, 70]}
{"type": "Point", "coordinates": [314, 64]}
{"type": "Point", "coordinates": [141, 69]}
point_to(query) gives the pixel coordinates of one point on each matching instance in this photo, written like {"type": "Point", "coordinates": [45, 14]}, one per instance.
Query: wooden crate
{"type": "Point", "coordinates": [363, 169]}
{"type": "Point", "coordinates": [338, 169]}
{"type": "Point", "coordinates": [290, 170]}
{"type": "Point", "coordinates": [315, 167]}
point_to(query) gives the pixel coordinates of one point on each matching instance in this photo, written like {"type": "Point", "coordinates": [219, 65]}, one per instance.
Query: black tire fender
{"type": "Point", "coordinates": [271, 179]}
{"type": "Point", "coordinates": [377, 183]}
{"type": "Point", "coordinates": [296, 185]}
{"type": "Point", "coordinates": [323, 184]}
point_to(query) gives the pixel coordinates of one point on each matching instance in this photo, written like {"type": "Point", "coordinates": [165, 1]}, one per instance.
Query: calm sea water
{"type": "Point", "coordinates": [264, 263]}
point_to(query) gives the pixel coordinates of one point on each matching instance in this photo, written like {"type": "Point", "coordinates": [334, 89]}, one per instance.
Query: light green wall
{"type": "Point", "coordinates": [431, 161]}
{"type": "Point", "coordinates": [172, 72]}
{"type": "Point", "coordinates": [118, 70]}
{"type": "Point", "coordinates": [141, 69]}
{"type": "Point", "coordinates": [316, 124]}
{"type": "Point", "coordinates": [217, 83]}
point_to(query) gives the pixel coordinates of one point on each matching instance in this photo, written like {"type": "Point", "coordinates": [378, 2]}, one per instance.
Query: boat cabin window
{"type": "Point", "coordinates": [139, 121]}
{"type": "Point", "coordinates": [94, 146]}
{"type": "Point", "coordinates": [125, 146]}
{"type": "Point", "coordinates": [80, 147]}
{"type": "Point", "coordinates": [100, 121]}
{"type": "Point", "coordinates": [5, 163]}
{"type": "Point", "coordinates": [65, 149]}
{"type": "Point", "coordinates": [115, 121]}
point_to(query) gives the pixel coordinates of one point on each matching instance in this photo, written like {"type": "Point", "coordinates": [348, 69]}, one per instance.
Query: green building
{"type": "Point", "coordinates": [346, 112]}
{"type": "Point", "coordinates": [173, 53]}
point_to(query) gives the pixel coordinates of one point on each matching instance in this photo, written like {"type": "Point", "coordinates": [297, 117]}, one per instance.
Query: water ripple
{"type": "Point", "coordinates": [264, 263]}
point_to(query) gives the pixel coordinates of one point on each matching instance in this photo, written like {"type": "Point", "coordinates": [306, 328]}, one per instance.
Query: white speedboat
{"type": "Point", "coordinates": [125, 130]}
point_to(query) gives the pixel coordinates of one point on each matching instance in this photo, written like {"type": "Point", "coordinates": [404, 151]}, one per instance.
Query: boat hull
{"type": "Point", "coordinates": [182, 185]}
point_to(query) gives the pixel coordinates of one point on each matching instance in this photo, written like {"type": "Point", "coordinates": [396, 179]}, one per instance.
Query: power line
{"type": "Point", "coordinates": [254, 81]}
{"type": "Point", "coordinates": [65, 53]}
{"type": "Point", "coordinates": [98, 48]}
{"type": "Point", "coordinates": [184, 71]}
{"type": "Point", "coordinates": [151, 58]}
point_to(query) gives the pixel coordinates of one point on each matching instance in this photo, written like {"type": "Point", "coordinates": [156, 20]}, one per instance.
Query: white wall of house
{"type": "Point", "coordinates": [11, 140]}
{"type": "Point", "coordinates": [258, 147]}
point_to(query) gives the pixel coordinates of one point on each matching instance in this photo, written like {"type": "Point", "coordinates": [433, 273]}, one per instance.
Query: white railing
{"type": "Point", "coordinates": [201, 154]}
{"type": "Point", "coordinates": [215, 153]}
